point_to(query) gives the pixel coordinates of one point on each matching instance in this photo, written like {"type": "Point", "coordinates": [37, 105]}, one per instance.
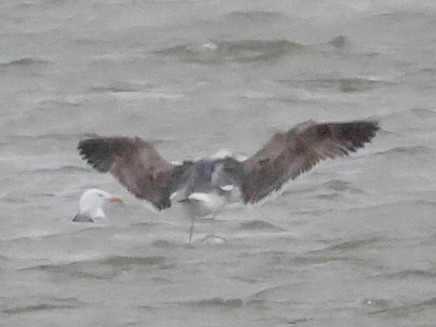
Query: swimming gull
{"type": "Point", "coordinates": [91, 205]}
{"type": "Point", "coordinates": [206, 185]}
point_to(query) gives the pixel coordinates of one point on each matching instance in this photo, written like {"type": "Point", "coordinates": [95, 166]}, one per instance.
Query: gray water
{"type": "Point", "coordinates": [352, 243]}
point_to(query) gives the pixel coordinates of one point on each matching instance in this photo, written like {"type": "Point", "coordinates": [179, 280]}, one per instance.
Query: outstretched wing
{"type": "Point", "coordinates": [288, 154]}
{"type": "Point", "coordinates": [135, 164]}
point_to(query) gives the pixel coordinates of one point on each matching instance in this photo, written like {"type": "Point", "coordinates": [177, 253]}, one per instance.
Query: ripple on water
{"type": "Point", "coordinates": [254, 16]}
{"type": "Point", "coordinates": [407, 274]}
{"type": "Point", "coordinates": [337, 83]}
{"type": "Point", "coordinates": [165, 244]}
{"type": "Point", "coordinates": [231, 51]}
{"type": "Point", "coordinates": [102, 268]}
{"type": "Point", "coordinates": [271, 294]}
{"type": "Point", "coordinates": [351, 245]}
{"type": "Point", "coordinates": [215, 302]}
{"type": "Point", "coordinates": [26, 62]}
{"type": "Point", "coordinates": [259, 225]}
{"type": "Point", "coordinates": [408, 308]}
{"type": "Point", "coordinates": [21, 306]}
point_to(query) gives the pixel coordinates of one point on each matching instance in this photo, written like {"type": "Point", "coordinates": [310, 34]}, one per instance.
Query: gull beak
{"type": "Point", "coordinates": [115, 199]}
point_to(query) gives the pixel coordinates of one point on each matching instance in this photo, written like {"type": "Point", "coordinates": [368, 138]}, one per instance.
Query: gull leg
{"type": "Point", "coordinates": [212, 226]}
{"type": "Point", "coordinates": [191, 230]}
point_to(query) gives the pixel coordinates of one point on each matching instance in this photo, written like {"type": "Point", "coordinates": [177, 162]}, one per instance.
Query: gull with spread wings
{"type": "Point", "coordinates": [206, 185]}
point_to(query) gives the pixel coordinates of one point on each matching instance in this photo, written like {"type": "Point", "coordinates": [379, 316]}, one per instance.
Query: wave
{"type": "Point", "coordinates": [112, 260]}
{"type": "Point", "coordinates": [259, 225]}
{"type": "Point", "coordinates": [339, 41]}
{"type": "Point", "coordinates": [270, 294]}
{"type": "Point", "coordinates": [47, 304]}
{"type": "Point", "coordinates": [405, 150]}
{"type": "Point", "coordinates": [164, 244]}
{"type": "Point", "coordinates": [408, 273]}
{"type": "Point", "coordinates": [231, 51]}
{"type": "Point", "coordinates": [375, 303]}
{"type": "Point", "coordinates": [57, 137]}
{"type": "Point", "coordinates": [350, 245]}
{"type": "Point", "coordinates": [63, 169]}
{"type": "Point", "coordinates": [215, 302]}
{"type": "Point", "coordinates": [101, 268]}
{"type": "Point", "coordinates": [340, 185]}
{"type": "Point", "coordinates": [113, 89]}
{"type": "Point", "coordinates": [116, 261]}
{"type": "Point", "coordinates": [408, 308]}
{"type": "Point", "coordinates": [254, 16]}
{"type": "Point", "coordinates": [423, 113]}
{"type": "Point", "coordinates": [26, 62]}
{"type": "Point", "coordinates": [401, 15]}
{"type": "Point", "coordinates": [342, 84]}
{"type": "Point", "coordinates": [3, 260]}
{"type": "Point", "coordinates": [417, 112]}
{"type": "Point", "coordinates": [416, 120]}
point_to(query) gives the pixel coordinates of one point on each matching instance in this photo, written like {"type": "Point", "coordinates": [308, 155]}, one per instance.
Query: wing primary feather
{"type": "Point", "coordinates": [138, 166]}
{"type": "Point", "coordinates": [134, 163]}
{"type": "Point", "coordinates": [287, 155]}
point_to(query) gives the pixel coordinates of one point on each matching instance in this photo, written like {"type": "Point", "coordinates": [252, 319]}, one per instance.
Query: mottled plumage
{"type": "Point", "coordinates": [288, 154]}
{"type": "Point", "coordinates": [138, 166]}
{"type": "Point", "coordinates": [135, 163]}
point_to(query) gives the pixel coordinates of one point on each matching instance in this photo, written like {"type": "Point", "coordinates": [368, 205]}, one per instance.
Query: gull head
{"type": "Point", "coordinates": [91, 205]}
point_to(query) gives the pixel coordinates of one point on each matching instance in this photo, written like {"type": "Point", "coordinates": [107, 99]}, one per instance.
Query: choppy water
{"type": "Point", "coordinates": [353, 243]}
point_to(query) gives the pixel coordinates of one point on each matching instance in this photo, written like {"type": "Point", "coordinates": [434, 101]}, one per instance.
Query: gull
{"type": "Point", "coordinates": [91, 205]}
{"type": "Point", "coordinates": [205, 185]}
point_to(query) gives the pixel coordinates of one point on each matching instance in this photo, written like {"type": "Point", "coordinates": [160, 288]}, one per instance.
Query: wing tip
{"type": "Point", "coordinates": [371, 129]}
{"type": "Point", "coordinates": [96, 152]}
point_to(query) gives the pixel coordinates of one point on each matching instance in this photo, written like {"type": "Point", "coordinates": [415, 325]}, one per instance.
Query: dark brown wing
{"type": "Point", "coordinates": [288, 154]}
{"type": "Point", "coordinates": [135, 163]}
